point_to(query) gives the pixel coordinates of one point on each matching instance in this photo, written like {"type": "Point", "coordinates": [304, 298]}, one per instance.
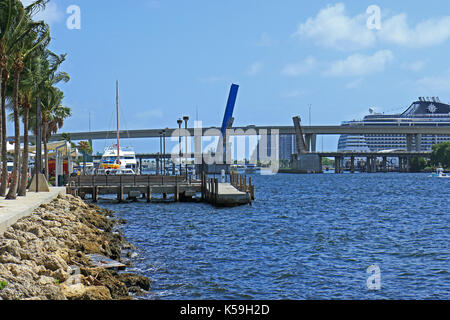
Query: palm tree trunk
{"type": "Point", "coordinates": [1, 118]}
{"type": "Point", "coordinates": [12, 193]}
{"type": "Point", "coordinates": [1, 94]}
{"type": "Point", "coordinates": [24, 177]}
{"type": "Point", "coordinates": [4, 177]}
{"type": "Point", "coordinates": [44, 138]}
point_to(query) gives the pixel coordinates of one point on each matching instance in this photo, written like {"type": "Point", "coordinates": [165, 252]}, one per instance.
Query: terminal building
{"type": "Point", "coordinates": [424, 112]}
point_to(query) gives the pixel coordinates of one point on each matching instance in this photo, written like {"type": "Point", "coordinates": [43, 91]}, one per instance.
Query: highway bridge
{"type": "Point", "coordinates": [259, 130]}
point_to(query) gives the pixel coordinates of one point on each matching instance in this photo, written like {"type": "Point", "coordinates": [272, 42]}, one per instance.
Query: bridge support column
{"type": "Point", "coordinates": [308, 139]}
{"type": "Point", "coordinates": [384, 164]}
{"type": "Point", "coordinates": [408, 164]}
{"type": "Point", "coordinates": [352, 164]}
{"type": "Point", "coordinates": [418, 141]}
{"type": "Point", "coordinates": [368, 166]}
{"type": "Point", "coordinates": [157, 166]}
{"type": "Point", "coordinates": [337, 164]}
{"type": "Point", "coordinates": [313, 143]}
{"type": "Point", "coordinates": [409, 142]}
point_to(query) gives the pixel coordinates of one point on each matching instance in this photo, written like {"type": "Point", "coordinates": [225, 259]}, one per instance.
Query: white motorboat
{"type": "Point", "coordinates": [440, 174]}
{"type": "Point", "coordinates": [113, 164]}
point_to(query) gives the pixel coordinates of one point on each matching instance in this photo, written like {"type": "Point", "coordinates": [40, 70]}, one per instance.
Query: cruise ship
{"type": "Point", "coordinates": [426, 111]}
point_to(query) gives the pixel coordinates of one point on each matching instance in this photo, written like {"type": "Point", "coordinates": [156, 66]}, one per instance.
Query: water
{"type": "Point", "coordinates": [305, 237]}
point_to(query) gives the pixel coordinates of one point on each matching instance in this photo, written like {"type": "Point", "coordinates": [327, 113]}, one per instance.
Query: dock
{"type": "Point", "coordinates": [223, 194]}
{"type": "Point", "coordinates": [233, 193]}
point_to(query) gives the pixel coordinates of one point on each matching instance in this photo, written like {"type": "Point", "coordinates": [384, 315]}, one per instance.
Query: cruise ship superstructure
{"type": "Point", "coordinates": [423, 112]}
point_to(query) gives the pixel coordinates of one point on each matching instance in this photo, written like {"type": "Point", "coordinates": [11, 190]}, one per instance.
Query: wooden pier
{"type": "Point", "coordinates": [236, 192]}
{"type": "Point", "coordinates": [224, 194]}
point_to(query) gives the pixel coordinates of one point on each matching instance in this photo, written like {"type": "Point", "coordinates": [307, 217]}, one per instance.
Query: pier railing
{"type": "Point", "coordinates": [210, 187]}
{"type": "Point", "coordinates": [240, 182]}
{"type": "Point", "coordinates": [128, 180]}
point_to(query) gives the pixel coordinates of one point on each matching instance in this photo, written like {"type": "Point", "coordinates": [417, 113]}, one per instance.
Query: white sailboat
{"type": "Point", "coordinates": [117, 160]}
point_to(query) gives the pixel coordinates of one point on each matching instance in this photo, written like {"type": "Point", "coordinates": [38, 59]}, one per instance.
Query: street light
{"type": "Point", "coordinates": [164, 151]}
{"type": "Point", "coordinates": [180, 122]}
{"type": "Point", "coordinates": [160, 151]}
{"type": "Point", "coordinates": [186, 119]}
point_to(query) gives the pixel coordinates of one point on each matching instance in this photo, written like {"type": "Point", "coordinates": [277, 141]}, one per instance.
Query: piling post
{"type": "Point", "coordinates": [95, 194]}
{"type": "Point", "coordinates": [177, 190]}
{"type": "Point", "coordinates": [352, 165]}
{"type": "Point", "coordinates": [149, 194]}
{"type": "Point", "coordinates": [120, 194]}
{"type": "Point", "coordinates": [384, 164]}
{"type": "Point", "coordinates": [216, 190]}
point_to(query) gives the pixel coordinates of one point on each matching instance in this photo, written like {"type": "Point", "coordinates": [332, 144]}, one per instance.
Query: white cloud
{"type": "Point", "coordinates": [359, 64]}
{"type": "Point", "coordinates": [52, 14]}
{"type": "Point", "coordinates": [332, 27]}
{"type": "Point", "coordinates": [254, 69]}
{"type": "Point", "coordinates": [303, 67]}
{"type": "Point", "coordinates": [426, 33]}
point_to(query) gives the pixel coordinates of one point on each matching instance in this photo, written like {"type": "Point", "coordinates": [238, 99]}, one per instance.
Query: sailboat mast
{"type": "Point", "coordinates": [117, 111]}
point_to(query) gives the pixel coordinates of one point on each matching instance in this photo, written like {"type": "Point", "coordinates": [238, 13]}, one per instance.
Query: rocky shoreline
{"type": "Point", "coordinates": [44, 256]}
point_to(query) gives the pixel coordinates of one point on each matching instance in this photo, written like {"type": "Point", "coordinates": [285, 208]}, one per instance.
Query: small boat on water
{"type": "Point", "coordinates": [440, 174]}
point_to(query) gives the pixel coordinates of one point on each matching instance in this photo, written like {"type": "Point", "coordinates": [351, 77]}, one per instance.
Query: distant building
{"type": "Point", "coordinates": [424, 112]}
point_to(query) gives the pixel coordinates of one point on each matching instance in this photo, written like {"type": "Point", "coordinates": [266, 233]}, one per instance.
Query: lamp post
{"type": "Point", "coordinates": [160, 152]}
{"type": "Point", "coordinates": [180, 122]}
{"type": "Point", "coordinates": [164, 152]}
{"type": "Point", "coordinates": [186, 119]}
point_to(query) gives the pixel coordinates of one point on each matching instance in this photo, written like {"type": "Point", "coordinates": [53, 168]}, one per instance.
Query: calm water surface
{"type": "Point", "coordinates": [305, 237]}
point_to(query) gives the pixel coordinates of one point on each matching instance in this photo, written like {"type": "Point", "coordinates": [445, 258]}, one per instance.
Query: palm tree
{"type": "Point", "coordinates": [43, 75]}
{"type": "Point", "coordinates": [29, 36]}
{"type": "Point", "coordinates": [7, 10]}
{"type": "Point", "coordinates": [19, 36]}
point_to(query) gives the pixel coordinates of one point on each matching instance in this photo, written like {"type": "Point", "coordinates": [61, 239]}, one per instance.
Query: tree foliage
{"type": "Point", "coordinates": [441, 154]}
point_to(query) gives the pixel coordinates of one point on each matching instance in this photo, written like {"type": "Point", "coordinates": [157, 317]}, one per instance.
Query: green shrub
{"type": "Point", "coordinates": [3, 285]}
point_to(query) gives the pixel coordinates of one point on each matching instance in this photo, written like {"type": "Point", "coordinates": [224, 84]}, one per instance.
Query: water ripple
{"type": "Point", "coordinates": [306, 237]}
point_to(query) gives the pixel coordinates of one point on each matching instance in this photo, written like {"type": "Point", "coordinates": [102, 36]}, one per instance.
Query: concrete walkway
{"type": "Point", "coordinates": [13, 210]}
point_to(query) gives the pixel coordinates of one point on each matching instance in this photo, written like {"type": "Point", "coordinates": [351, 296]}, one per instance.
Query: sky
{"type": "Point", "coordinates": [175, 58]}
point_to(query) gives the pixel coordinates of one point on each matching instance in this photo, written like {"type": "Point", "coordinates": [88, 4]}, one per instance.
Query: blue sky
{"type": "Point", "coordinates": [175, 57]}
